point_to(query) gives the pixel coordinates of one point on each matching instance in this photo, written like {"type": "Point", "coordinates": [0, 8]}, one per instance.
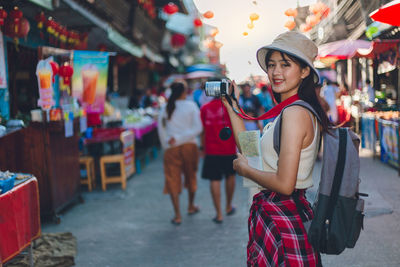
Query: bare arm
{"type": "Point", "coordinates": [297, 133]}
{"type": "Point", "coordinates": [236, 121]}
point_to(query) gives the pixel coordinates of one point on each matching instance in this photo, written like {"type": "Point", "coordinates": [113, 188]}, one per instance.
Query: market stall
{"type": "Point", "coordinates": [19, 216]}
{"type": "Point", "coordinates": [380, 133]}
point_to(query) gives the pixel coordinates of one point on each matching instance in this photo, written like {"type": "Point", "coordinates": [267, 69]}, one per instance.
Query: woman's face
{"type": "Point", "coordinates": [285, 74]}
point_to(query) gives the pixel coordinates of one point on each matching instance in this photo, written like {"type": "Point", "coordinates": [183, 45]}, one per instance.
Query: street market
{"type": "Point", "coordinates": [106, 117]}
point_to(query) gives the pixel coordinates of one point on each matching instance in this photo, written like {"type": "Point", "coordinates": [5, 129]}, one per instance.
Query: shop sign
{"type": "Point", "coordinates": [89, 81]}
{"type": "Point", "coordinates": [3, 77]}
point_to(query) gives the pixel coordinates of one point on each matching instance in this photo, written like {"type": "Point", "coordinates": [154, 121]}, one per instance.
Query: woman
{"type": "Point", "coordinates": [179, 125]}
{"type": "Point", "coordinates": [276, 233]}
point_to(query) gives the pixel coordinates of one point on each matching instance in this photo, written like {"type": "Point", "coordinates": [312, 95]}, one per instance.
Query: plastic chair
{"type": "Point", "coordinates": [125, 160]}
{"type": "Point", "coordinates": [88, 163]}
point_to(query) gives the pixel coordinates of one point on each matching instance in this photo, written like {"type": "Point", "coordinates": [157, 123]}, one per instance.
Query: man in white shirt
{"type": "Point", "coordinates": [329, 92]}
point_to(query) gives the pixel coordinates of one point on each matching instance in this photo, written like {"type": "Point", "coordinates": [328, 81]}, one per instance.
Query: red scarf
{"type": "Point", "coordinates": [273, 112]}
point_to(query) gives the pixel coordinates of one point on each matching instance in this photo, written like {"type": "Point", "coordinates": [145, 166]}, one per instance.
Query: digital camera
{"type": "Point", "coordinates": [218, 88]}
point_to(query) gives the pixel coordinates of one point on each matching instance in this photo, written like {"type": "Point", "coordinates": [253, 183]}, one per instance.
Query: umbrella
{"type": "Point", "coordinates": [200, 74]}
{"type": "Point", "coordinates": [388, 13]}
{"type": "Point", "coordinates": [342, 49]}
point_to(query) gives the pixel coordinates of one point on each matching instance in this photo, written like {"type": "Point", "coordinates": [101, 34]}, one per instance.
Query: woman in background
{"type": "Point", "coordinates": [179, 125]}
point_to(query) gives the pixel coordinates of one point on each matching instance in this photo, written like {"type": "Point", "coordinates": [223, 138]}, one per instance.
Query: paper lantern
{"type": "Point", "coordinates": [41, 20]}
{"type": "Point", "coordinates": [23, 28]}
{"type": "Point", "coordinates": [208, 15]}
{"type": "Point", "coordinates": [214, 32]}
{"type": "Point", "coordinates": [290, 24]}
{"type": "Point", "coordinates": [178, 40]}
{"type": "Point", "coordinates": [16, 16]}
{"type": "Point", "coordinates": [254, 16]}
{"type": "Point", "coordinates": [245, 33]}
{"type": "Point", "coordinates": [3, 16]}
{"type": "Point", "coordinates": [312, 20]}
{"type": "Point", "coordinates": [305, 27]}
{"type": "Point", "coordinates": [50, 25]}
{"type": "Point", "coordinates": [250, 25]}
{"type": "Point", "coordinates": [170, 8]}
{"type": "Point", "coordinates": [197, 22]}
{"type": "Point", "coordinates": [66, 72]}
{"type": "Point", "coordinates": [290, 12]}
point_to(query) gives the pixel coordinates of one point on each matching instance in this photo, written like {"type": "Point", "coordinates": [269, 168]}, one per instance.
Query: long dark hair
{"type": "Point", "coordinates": [306, 90]}
{"type": "Point", "coordinates": [177, 89]}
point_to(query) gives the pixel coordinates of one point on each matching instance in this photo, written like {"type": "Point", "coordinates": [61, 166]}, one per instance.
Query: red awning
{"type": "Point", "coordinates": [388, 13]}
{"type": "Point", "coordinates": [377, 47]}
{"type": "Point", "coordinates": [342, 49]}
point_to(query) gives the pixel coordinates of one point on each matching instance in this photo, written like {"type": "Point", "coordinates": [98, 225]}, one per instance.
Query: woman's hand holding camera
{"type": "Point", "coordinates": [235, 88]}
{"type": "Point", "coordinates": [240, 164]}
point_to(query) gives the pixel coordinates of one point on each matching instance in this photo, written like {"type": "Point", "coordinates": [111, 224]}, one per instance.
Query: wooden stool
{"type": "Point", "coordinates": [126, 161]}
{"type": "Point", "coordinates": [88, 163]}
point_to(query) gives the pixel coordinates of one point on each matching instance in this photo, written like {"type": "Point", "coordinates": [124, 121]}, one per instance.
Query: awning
{"type": "Point", "coordinates": [342, 49]}
{"type": "Point", "coordinates": [112, 34]}
{"type": "Point", "coordinates": [376, 48]}
{"type": "Point", "coordinates": [388, 13]}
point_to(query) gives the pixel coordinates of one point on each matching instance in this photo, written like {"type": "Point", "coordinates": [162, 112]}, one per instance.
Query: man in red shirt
{"type": "Point", "coordinates": [219, 155]}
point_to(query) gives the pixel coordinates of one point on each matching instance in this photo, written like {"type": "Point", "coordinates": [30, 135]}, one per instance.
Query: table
{"type": "Point", "coordinates": [19, 218]}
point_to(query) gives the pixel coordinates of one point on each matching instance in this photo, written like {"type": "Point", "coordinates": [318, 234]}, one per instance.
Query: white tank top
{"type": "Point", "coordinates": [308, 155]}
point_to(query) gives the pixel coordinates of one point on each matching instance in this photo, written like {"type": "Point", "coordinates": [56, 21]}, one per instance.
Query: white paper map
{"type": "Point", "coordinates": [249, 142]}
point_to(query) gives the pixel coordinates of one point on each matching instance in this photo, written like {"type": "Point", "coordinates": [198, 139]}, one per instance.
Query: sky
{"type": "Point", "coordinates": [231, 18]}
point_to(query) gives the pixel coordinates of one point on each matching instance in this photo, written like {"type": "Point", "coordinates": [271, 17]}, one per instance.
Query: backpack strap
{"type": "Point", "coordinates": [338, 177]}
{"type": "Point", "coordinates": [278, 125]}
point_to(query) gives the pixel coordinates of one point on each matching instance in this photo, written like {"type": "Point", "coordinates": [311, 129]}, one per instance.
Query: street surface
{"type": "Point", "coordinates": [132, 228]}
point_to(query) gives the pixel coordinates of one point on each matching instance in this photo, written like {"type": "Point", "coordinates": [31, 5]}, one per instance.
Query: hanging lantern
{"type": "Point", "coordinates": [3, 16]}
{"type": "Point", "coordinates": [16, 16]}
{"type": "Point", "coordinates": [170, 8]}
{"type": "Point", "coordinates": [50, 23]}
{"type": "Point", "coordinates": [254, 17]}
{"type": "Point", "coordinates": [305, 27]}
{"type": "Point", "coordinates": [24, 28]}
{"type": "Point", "coordinates": [178, 40]}
{"type": "Point", "coordinates": [291, 12]}
{"type": "Point", "coordinates": [245, 33]}
{"type": "Point", "coordinates": [197, 22]}
{"type": "Point", "coordinates": [290, 24]}
{"type": "Point", "coordinates": [312, 20]}
{"type": "Point", "coordinates": [55, 68]}
{"type": "Point", "coordinates": [214, 32]}
{"type": "Point", "coordinates": [41, 20]}
{"type": "Point", "coordinates": [250, 25]}
{"type": "Point", "coordinates": [208, 15]}
{"type": "Point", "coordinates": [66, 72]}
{"type": "Point", "coordinates": [63, 36]}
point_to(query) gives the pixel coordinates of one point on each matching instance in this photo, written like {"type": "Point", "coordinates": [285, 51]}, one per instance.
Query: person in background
{"type": "Point", "coordinates": [179, 125]}
{"type": "Point", "coordinates": [277, 236]}
{"type": "Point", "coordinates": [219, 155]}
{"type": "Point", "coordinates": [329, 92]}
{"type": "Point", "coordinates": [147, 100]}
{"type": "Point", "coordinates": [251, 106]}
{"type": "Point", "coordinates": [369, 90]}
{"type": "Point", "coordinates": [266, 99]}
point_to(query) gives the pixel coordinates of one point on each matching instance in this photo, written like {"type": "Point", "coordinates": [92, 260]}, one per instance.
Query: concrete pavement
{"type": "Point", "coordinates": [132, 228]}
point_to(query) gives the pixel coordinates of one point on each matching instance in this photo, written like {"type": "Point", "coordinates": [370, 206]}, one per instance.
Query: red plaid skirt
{"type": "Point", "coordinates": [276, 233]}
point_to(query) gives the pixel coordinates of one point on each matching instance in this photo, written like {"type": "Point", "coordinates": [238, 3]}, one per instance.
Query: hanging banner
{"type": "Point", "coordinates": [89, 81]}
{"type": "Point", "coordinates": [3, 77]}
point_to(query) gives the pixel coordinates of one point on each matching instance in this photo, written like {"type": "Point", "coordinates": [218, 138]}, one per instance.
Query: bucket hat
{"type": "Point", "coordinates": [294, 44]}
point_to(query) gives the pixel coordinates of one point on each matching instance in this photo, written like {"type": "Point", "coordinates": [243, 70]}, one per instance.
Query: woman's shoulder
{"type": "Point", "coordinates": [297, 115]}
{"type": "Point", "coordinates": [189, 104]}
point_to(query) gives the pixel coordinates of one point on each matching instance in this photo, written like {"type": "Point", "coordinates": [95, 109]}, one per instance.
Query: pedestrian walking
{"type": "Point", "coordinates": [277, 236]}
{"type": "Point", "coordinates": [219, 156]}
{"type": "Point", "coordinates": [179, 125]}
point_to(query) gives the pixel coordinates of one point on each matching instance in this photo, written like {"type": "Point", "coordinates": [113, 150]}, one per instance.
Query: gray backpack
{"type": "Point", "coordinates": [338, 209]}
